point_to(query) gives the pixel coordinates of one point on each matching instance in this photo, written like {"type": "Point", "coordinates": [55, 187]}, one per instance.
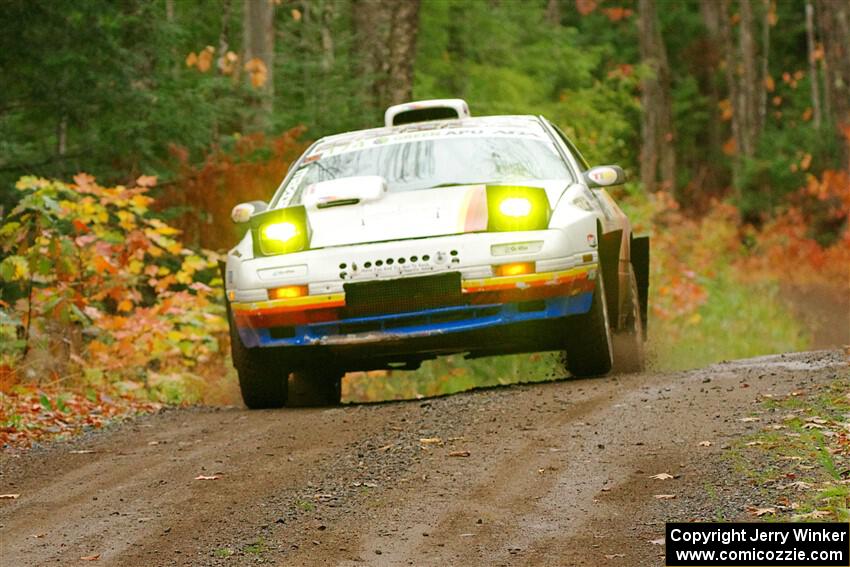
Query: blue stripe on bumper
{"type": "Point", "coordinates": [419, 323]}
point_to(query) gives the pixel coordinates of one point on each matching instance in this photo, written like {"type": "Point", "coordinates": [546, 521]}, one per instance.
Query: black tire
{"type": "Point", "coordinates": [262, 380]}
{"type": "Point", "coordinates": [315, 387]}
{"type": "Point", "coordinates": [589, 349]}
{"type": "Point", "coordinates": [629, 354]}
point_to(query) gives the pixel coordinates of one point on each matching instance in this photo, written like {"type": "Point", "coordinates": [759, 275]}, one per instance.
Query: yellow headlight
{"type": "Point", "coordinates": [282, 231]}
{"type": "Point", "coordinates": [515, 207]}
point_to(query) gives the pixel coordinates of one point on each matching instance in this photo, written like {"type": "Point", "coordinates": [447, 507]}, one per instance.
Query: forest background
{"type": "Point", "coordinates": [128, 130]}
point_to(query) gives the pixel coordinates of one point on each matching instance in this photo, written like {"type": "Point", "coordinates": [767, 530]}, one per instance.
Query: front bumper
{"type": "Point", "coordinates": [321, 320]}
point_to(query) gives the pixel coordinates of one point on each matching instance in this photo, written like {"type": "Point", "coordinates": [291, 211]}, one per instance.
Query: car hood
{"type": "Point", "coordinates": [413, 214]}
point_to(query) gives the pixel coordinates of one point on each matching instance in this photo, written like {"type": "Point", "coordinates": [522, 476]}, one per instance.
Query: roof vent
{"type": "Point", "coordinates": [424, 110]}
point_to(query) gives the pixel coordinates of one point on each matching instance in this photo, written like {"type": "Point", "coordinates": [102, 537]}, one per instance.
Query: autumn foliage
{"type": "Point", "coordinates": [97, 290]}
{"type": "Point", "coordinates": [206, 192]}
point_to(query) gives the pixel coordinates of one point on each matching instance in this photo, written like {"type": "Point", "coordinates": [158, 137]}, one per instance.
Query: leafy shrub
{"type": "Point", "coordinates": [96, 288]}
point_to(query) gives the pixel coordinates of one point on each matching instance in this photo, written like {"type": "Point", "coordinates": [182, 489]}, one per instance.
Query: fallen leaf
{"type": "Point", "coordinates": [705, 443]}
{"type": "Point", "coordinates": [90, 557]}
{"type": "Point", "coordinates": [431, 441]}
{"type": "Point", "coordinates": [9, 496]}
{"type": "Point", "coordinates": [813, 515]}
{"type": "Point", "coordinates": [759, 512]}
{"type": "Point", "coordinates": [205, 477]}
{"type": "Point", "coordinates": [659, 541]}
{"type": "Point", "coordinates": [662, 476]}
{"type": "Point", "coordinates": [614, 555]}
{"type": "Point", "coordinates": [665, 496]}
{"type": "Point", "coordinates": [459, 454]}
{"type": "Point", "coordinates": [153, 442]}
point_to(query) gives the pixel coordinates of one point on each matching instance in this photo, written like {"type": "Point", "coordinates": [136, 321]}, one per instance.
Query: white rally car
{"type": "Point", "coordinates": [439, 233]}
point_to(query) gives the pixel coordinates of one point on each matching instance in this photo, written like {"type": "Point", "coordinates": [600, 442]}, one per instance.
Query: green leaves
{"type": "Point", "coordinates": [14, 268]}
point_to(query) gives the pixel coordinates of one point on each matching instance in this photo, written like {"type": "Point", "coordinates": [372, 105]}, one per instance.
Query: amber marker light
{"type": "Point", "coordinates": [514, 269]}
{"type": "Point", "coordinates": [288, 292]}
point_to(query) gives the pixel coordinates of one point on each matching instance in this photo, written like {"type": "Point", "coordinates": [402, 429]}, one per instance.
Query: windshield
{"type": "Point", "coordinates": [440, 162]}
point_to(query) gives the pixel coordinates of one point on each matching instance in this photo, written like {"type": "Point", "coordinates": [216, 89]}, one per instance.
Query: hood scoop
{"type": "Point", "coordinates": [344, 191]}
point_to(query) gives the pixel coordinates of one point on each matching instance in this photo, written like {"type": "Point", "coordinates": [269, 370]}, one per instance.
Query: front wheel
{"type": "Point", "coordinates": [589, 348]}
{"type": "Point", "coordinates": [261, 380]}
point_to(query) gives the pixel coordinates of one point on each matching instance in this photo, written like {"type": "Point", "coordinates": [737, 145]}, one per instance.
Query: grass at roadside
{"type": "Point", "coordinates": [737, 320]}
{"type": "Point", "coordinates": [802, 462]}
{"type": "Point", "coordinates": [451, 374]}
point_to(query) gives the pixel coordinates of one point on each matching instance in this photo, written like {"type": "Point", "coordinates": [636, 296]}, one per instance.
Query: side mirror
{"type": "Point", "coordinates": [244, 211]}
{"type": "Point", "coordinates": [605, 176]}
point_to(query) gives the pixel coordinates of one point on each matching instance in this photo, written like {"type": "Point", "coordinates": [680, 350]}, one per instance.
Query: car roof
{"type": "Point", "coordinates": [521, 125]}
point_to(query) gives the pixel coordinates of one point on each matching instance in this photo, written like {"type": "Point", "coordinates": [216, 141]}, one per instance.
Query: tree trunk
{"type": "Point", "coordinates": [328, 14]}
{"type": "Point", "coordinates": [658, 161]}
{"type": "Point", "coordinates": [386, 32]}
{"type": "Point", "coordinates": [750, 84]}
{"type": "Point", "coordinates": [402, 48]}
{"type": "Point", "coordinates": [712, 172]}
{"type": "Point", "coordinates": [814, 75]}
{"type": "Point", "coordinates": [765, 69]}
{"type": "Point", "coordinates": [553, 12]}
{"type": "Point", "coordinates": [258, 46]}
{"type": "Point", "coordinates": [833, 18]}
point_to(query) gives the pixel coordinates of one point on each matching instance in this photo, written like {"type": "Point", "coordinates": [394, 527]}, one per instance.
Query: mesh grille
{"type": "Point", "coordinates": [403, 295]}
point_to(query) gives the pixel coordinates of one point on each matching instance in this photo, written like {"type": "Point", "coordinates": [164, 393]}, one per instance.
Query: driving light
{"type": "Point", "coordinates": [283, 231]}
{"type": "Point", "coordinates": [288, 292]}
{"type": "Point", "coordinates": [515, 269]}
{"type": "Point", "coordinates": [280, 231]}
{"type": "Point", "coordinates": [515, 207]}
{"type": "Point", "coordinates": [512, 208]}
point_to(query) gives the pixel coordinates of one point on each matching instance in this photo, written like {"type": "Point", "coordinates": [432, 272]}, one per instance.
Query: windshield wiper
{"type": "Point", "coordinates": [458, 184]}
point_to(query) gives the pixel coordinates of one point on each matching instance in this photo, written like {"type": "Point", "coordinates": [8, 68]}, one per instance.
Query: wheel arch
{"type": "Point", "coordinates": [609, 263]}
{"type": "Point", "coordinates": [640, 265]}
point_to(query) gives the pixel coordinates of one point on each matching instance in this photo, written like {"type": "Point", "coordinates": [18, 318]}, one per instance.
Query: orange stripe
{"type": "Point", "coordinates": [528, 280]}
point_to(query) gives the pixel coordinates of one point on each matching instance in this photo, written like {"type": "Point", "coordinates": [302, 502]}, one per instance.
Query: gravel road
{"type": "Point", "coordinates": [547, 474]}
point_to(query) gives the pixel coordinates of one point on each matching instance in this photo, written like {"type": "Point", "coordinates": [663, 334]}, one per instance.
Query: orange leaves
{"type": "Point", "coordinates": [146, 181]}
{"type": "Point", "coordinates": [614, 13]}
{"type": "Point", "coordinates": [726, 110]}
{"type": "Point", "coordinates": [36, 415]}
{"type": "Point", "coordinates": [618, 13]}
{"type": "Point", "coordinates": [769, 83]}
{"type": "Point", "coordinates": [202, 60]}
{"type": "Point", "coordinates": [227, 63]}
{"type": "Point", "coordinates": [235, 174]}
{"type": "Point", "coordinates": [585, 7]}
{"type": "Point", "coordinates": [257, 72]}
{"type": "Point", "coordinates": [103, 266]}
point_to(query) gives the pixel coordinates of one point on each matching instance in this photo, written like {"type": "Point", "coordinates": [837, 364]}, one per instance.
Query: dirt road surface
{"type": "Point", "coordinates": [547, 474]}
